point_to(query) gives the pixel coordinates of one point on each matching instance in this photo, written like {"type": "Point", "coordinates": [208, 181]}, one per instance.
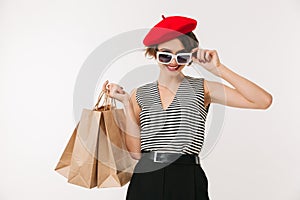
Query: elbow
{"type": "Point", "coordinates": [135, 155]}
{"type": "Point", "coordinates": [133, 146]}
{"type": "Point", "coordinates": [267, 102]}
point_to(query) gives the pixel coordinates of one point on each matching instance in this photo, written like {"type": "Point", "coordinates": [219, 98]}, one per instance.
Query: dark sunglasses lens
{"type": "Point", "coordinates": [183, 59]}
{"type": "Point", "coordinates": [165, 58]}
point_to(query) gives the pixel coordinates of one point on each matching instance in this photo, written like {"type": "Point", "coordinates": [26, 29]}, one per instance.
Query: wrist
{"type": "Point", "coordinates": [126, 101]}
{"type": "Point", "coordinates": [220, 69]}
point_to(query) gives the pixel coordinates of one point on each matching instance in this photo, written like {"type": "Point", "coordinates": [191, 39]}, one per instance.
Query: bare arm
{"type": "Point", "coordinates": [132, 136]}
{"type": "Point", "coordinates": [245, 93]}
{"type": "Point", "coordinates": [131, 111]}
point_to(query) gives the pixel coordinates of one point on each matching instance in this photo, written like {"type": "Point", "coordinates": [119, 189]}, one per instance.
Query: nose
{"type": "Point", "coordinates": [173, 62]}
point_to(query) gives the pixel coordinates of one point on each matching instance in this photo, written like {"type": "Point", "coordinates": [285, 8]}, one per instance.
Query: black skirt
{"type": "Point", "coordinates": [162, 181]}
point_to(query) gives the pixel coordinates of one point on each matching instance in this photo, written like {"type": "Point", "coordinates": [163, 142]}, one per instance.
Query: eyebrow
{"type": "Point", "coordinates": [168, 50]}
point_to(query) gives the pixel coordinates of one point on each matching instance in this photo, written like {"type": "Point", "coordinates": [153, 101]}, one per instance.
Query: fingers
{"type": "Point", "coordinates": [112, 88]}
{"type": "Point", "coordinates": [207, 56]}
{"type": "Point", "coordinates": [120, 90]}
{"type": "Point", "coordinates": [194, 50]}
{"type": "Point", "coordinates": [104, 86]}
{"type": "Point", "coordinates": [203, 55]}
{"type": "Point", "coordinates": [199, 55]}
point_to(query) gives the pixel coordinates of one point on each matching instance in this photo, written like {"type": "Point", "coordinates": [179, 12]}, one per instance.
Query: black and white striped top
{"type": "Point", "coordinates": [178, 129]}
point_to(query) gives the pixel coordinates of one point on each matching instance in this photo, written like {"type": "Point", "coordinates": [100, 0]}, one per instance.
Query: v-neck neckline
{"type": "Point", "coordinates": [159, 97]}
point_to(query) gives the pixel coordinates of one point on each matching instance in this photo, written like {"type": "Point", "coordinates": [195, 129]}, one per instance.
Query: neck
{"type": "Point", "coordinates": [170, 80]}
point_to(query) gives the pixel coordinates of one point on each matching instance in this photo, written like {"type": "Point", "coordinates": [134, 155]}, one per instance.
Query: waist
{"type": "Point", "coordinates": [163, 157]}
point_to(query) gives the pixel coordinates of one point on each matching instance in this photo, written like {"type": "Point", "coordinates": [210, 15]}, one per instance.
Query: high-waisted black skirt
{"type": "Point", "coordinates": [172, 181]}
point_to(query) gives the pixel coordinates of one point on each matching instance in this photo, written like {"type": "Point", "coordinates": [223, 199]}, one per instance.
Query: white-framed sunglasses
{"type": "Point", "coordinates": [167, 57]}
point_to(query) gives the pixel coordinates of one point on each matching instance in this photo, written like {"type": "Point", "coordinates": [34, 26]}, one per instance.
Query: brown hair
{"type": "Point", "coordinates": [188, 40]}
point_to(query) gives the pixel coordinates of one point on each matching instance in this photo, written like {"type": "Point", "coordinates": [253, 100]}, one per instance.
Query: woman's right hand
{"type": "Point", "coordinates": [115, 91]}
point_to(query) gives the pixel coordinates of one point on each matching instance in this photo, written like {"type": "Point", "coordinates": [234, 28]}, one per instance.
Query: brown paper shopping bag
{"type": "Point", "coordinates": [79, 160]}
{"type": "Point", "coordinates": [83, 166]}
{"type": "Point", "coordinates": [115, 165]}
{"type": "Point", "coordinates": [63, 166]}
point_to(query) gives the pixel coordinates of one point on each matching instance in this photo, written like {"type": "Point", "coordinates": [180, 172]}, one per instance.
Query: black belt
{"type": "Point", "coordinates": [162, 157]}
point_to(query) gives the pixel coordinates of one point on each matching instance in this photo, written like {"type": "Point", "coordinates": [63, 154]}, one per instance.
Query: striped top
{"type": "Point", "coordinates": [179, 128]}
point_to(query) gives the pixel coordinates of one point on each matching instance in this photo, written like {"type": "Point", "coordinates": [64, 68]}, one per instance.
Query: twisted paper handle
{"type": "Point", "coordinates": [108, 104]}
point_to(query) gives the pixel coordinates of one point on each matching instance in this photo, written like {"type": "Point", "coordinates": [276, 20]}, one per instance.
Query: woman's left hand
{"type": "Point", "coordinates": [208, 59]}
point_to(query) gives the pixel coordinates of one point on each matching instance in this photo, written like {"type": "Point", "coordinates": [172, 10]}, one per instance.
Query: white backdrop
{"type": "Point", "coordinates": [43, 45]}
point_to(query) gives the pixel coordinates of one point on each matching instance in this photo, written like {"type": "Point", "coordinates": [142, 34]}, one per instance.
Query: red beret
{"type": "Point", "coordinates": [169, 28]}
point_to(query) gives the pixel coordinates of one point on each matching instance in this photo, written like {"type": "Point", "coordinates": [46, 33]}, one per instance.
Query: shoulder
{"type": "Point", "coordinates": [135, 103]}
{"type": "Point", "coordinates": [192, 78]}
{"type": "Point", "coordinates": [145, 85]}
{"type": "Point", "coordinates": [136, 94]}
{"type": "Point", "coordinates": [142, 91]}
{"type": "Point", "coordinates": [200, 80]}
{"type": "Point", "coordinates": [204, 84]}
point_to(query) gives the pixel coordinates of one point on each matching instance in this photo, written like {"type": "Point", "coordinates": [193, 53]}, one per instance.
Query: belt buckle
{"type": "Point", "coordinates": [197, 159]}
{"type": "Point", "coordinates": [155, 157]}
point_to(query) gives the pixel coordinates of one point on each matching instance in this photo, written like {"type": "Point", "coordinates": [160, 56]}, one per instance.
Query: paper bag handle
{"type": "Point", "coordinates": [106, 105]}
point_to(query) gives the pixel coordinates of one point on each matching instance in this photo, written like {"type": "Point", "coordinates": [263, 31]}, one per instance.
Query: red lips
{"type": "Point", "coordinates": [172, 68]}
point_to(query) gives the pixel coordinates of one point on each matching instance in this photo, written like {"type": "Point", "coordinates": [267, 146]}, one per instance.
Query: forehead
{"type": "Point", "coordinates": [173, 45]}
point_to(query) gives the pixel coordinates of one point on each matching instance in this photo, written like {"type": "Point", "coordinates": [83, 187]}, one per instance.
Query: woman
{"type": "Point", "coordinates": [166, 118]}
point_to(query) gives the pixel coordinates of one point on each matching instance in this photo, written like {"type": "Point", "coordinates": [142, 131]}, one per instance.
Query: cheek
{"type": "Point", "coordinates": [161, 65]}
